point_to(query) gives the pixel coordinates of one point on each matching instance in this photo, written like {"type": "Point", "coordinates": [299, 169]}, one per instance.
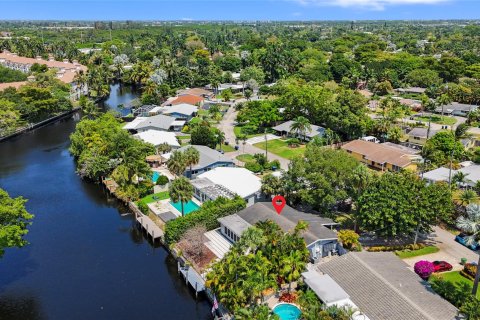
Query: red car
{"type": "Point", "coordinates": [440, 266]}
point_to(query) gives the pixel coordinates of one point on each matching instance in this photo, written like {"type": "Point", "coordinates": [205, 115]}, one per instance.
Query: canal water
{"type": "Point", "coordinates": [86, 260]}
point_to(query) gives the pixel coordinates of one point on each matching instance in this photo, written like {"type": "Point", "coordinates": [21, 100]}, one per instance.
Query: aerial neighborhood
{"type": "Point", "coordinates": [315, 171]}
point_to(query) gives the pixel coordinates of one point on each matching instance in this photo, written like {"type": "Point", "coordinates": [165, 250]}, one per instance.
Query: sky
{"type": "Point", "coordinates": [239, 9]}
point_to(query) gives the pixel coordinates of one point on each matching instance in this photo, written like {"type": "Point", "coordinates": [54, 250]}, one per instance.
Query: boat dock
{"type": "Point", "coordinates": [192, 277]}
{"type": "Point", "coordinates": [146, 224]}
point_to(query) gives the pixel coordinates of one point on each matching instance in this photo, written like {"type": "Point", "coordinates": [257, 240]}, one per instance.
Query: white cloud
{"type": "Point", "coordinates": [367, 4]}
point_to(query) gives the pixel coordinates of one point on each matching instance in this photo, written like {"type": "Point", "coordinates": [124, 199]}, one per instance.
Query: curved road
{"type": "Point", "coordinates": [227, 124]}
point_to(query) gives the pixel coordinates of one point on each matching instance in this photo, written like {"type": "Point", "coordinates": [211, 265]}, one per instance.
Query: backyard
{"type": "Point", "coordinates": [455, 277]}
{"type": "Point", "coordinates": [281, 148]}
{"type": "Point", "coordinates": [155, 197]}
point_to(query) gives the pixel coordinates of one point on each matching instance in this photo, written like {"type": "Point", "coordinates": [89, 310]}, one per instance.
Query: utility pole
{"type": "Point", "coordinates": [450, 171]}
{"type": "Point", "coordinates": [266, 146]}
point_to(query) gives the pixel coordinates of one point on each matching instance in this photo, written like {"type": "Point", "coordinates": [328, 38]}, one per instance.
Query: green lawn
{"type": "Point", "coordinates": [159, 196]}
{"type": "Point", "coordinates": [238, 132]}
{"type": "Point", "coordinates": [281, 148]}
{"type": "Point", "coordinates": [227, 148]}
{"type": "Point", "coordinates": [415, 253]}
{"type": "Point", "coordinates": [246, 158]}
{"type": "Point", "coordinates": [455, 276]}
{"type": "Point", "coordinates": [445, 120]}
{"type": "Point", "coordinates": [183, 137]}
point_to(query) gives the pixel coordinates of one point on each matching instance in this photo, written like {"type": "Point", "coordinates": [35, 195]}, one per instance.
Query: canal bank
{"type": "Point", "coordinates": [86, 260]}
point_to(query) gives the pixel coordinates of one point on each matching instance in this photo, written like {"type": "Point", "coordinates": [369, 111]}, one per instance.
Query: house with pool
{"type": "Point", "coordinates": [320, 238]}
{"type": "Point", "coordinates": [379, 285]}
{"type": "Point", "coordinates": [209, 160]}
{"type": "Point", "coordinates": [227, 182]}
{"type": "Point", "coordinates": [159, 122]}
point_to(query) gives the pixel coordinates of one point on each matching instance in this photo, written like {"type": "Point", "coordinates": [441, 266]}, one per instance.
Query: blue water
{"type": "Point", "coordinates": [188, 207]}
{"type": "Point", "coordinates": [155, 176]}
{"type": "Point", "coordinates": [287, 311]}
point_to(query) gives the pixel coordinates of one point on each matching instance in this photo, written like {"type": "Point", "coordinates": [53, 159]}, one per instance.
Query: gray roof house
{"type": "Point", "coordinates": [319, 239]}
{"type": "Point", "coordinates": [181, 111]}
{"type": "Point", "coordinates": [159, 122]}
{"type": "Point", "coordinates": [471, 172]}
{"type": "Point", "coordinates": [457, 109]}
{"type": "Point", "coordinates": [383, 287]}
{"type": "Point", "coordinates": [209, 159]}
{"type": "Point", "coordinates": [284, 129]}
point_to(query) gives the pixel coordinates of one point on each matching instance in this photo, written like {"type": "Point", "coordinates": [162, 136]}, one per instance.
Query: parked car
{"type": "Point", "coordinates": [441, 266]}
{"type": "Point", "coordinates": [461, 238]}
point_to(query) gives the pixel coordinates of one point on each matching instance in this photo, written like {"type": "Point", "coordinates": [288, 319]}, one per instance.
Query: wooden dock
{"type": "Point", "coordinates": [145, 223]}
{"type": "Point", "coordinates": [192, 277]}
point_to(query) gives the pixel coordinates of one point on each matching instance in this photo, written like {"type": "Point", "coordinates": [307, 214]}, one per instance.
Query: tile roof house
{"type": "Point", "coordinates": [384, 288]}
{"type": "Point", "coordinates": [319, 239]}
{"type": "Point", "coordinates": [209, 159]}
{"type": "Point", "coordinates": [196, 92]}
{"type": "Point", "coordinates": [381, 156]}
{"type": "Point", "coordinates": [284, 129]}
{"type": "Point", "coordinates": [187, 98]}
{"type": "Point", "coordinates": [227, 182]}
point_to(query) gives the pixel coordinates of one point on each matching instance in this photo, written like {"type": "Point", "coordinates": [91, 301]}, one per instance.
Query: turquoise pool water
{"type": "Point", "coordinates": [287, 311]}
{"type": "Point", "coordinates": [155, 176]}
{"type": "Point", "coordinates": [188, 207]}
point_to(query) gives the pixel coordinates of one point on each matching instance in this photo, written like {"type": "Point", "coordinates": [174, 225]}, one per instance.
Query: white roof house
{"type": "Point", "coordinates": [471, 172]}
{"type": "Point", "coordinates": [157, 138]}
{"type": "Point", "coordinates": [181, 108]}
{"type": "Point", "coordinates": [132, 125]}
{"type": "Point", "coordinates": [237, 180]}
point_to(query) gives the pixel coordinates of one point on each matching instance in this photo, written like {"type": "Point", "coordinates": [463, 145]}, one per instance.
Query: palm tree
{"type": "Point", "coordinates": [90, 110]}
{"type": "Point", "coordinates": [442, 101]}
{"type": "Point", "coordinates": [163, 148]}
{"type": "Point", "coordinates": [220, 138]}
{"type": "Point", "coordinates": [192, 157]}
{"type": "Point", "coordinates": [300, 126]}
{"type": "Point", "coordinates": [466, 197]}
{"type": "Point", "coordinates": [471, 225]}
{"type": "Point", "coordinates": [181, 190]}
{"type": "Point", "coordinates": [177, 163]}
{"type": "Point", "coordinates": [459, 178]}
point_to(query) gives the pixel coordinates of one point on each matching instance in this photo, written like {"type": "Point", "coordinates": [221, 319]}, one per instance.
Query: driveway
{"type": "Point", "coordinates": [262, 138]}
{"type": "Point", "coordinates": [226, 125]}
{"type": "Point", "coordinates": [450, 250]}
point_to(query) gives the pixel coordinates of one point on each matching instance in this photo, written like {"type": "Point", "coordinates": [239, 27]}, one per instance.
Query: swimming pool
{"type": "Point", "coordinates": [155, 176]}
{"type": "Point", "coordinates": [287, 311]}
{"type": "Point", "coordinates": [188, 207]}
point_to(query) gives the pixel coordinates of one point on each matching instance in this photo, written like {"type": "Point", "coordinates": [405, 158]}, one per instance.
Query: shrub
{"type": "Point", "coordinates": [396, 248]}
{"type": "Point", "coordinates": [207, 215]}
{"type": "Point", "coordinates": [253, 166]}
{"type": "Point", "coordinates": [423, 268]}
{"type": "Point", "coordinates": [143, 207]}
{"type": "Point", "coordinates": [348, 238]}
{"type": "Point", "coordinates": [293, 142]}
{"type": "Point", "coordinates": [456, 293]}
{"type": "Point", "coordinates": [274, 163]}
{"type": "Point", "coordinates": [162, 180]}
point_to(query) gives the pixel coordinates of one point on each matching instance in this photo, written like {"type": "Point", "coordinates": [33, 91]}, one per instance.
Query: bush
{"type": "Point", "coordinates": [456, 293]}
{"type": "Point", "coordinates": [293, 142]}
{"type": "Point", "coordinates": [423, 268]}
{"type": "Point", "coordinates": [207, 215]}
{"type": "Point", "coordinates": [288, 297]}
{"type": "Point", "coordinates": [254, 167]}
{"type": "Point", "coordinates": [396, 248]}
{"type": "Point", "coordinates": [274, 163]}
{"type": "Point", "coordinates": [348, 238]}
{"type": "Point", "coordinates": [162, 180]}
{"type": "Point", "coordinates": [143, 207]}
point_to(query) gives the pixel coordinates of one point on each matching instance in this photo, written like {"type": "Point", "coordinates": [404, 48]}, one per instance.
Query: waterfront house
{"type": "Point", "coordinates": [320, 240]}
{"type": "Point", "coordinates": [285, 129]}
{"type": "Point", "coordinates": [419, 135]}
{"type": "Point", "coordinates": [181, 111]}
{"type": "Point", "coordinates": [159, 122]}
{"type": "Point", "coordinates": [381, 285]}
{"type": "Point", "coordinates": [382, 156]}
{"type": "Point", "coordinates": [456, 109]}
{"type": "Point", "coordinates": [66, 70]}
{"type": "Point", "coordinates": [209, 159]}
{"type": "Point", "coordinates": [227, 182]}
{"type": "Point", "coordinates": [157, 138]}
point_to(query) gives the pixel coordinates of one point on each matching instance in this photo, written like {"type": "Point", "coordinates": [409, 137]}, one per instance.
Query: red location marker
{"type": "Point", "coordinates": [279, 203]}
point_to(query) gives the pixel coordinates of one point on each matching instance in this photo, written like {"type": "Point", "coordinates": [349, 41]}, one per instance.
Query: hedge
{"type": "Point", "coordinates": [396, 248]}
{"type": "Point", "coordinates": [207, 215]}
{"type": "Point", "coordinates": [469, 271]}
